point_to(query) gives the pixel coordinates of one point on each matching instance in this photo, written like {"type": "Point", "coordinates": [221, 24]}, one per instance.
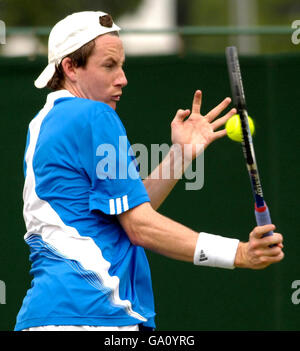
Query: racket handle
{"type": "Point", "coordinates": [263, 217]}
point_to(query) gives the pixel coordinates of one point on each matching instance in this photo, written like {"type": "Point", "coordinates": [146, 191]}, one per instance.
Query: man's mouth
{"type": "Point", "coordinates": [116, 97]}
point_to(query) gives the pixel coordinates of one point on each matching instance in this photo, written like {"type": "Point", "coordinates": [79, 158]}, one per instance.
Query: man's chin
{"type": "Point", "coordinates": [113, 105]}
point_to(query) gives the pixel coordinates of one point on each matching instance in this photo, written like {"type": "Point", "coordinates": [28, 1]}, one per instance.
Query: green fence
{"type": "Point", "coordinates": [187, 297]}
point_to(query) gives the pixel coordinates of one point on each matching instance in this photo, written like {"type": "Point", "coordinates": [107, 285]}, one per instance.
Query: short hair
{"type": "Point", "coordinates": [79, 59]}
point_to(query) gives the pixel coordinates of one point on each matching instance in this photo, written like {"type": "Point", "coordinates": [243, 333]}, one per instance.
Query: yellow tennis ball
{"type": "Point", "coordinates": [234, 129]}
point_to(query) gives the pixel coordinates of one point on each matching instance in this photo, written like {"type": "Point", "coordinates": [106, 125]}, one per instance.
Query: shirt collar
{"type": "Point", "coordinates": [58, 94]}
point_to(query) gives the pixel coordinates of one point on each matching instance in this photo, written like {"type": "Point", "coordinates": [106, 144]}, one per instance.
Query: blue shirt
{"type": "Point", "coordinates": [80, 173]}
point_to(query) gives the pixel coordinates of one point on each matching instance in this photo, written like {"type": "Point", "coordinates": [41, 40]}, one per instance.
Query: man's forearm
{"type": "Point", "coordinates": [147, 228]}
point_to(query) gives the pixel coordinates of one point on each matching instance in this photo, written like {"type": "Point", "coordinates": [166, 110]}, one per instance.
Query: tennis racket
{"type": "Point", "coordinates": [262, 213]}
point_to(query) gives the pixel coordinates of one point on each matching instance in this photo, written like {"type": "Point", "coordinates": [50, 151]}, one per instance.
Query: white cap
{"type": "Point", "coordinates": [70, 34]}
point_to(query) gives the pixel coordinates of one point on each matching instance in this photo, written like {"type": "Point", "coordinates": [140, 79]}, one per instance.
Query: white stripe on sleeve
{"type": "Point", "coordinates": [125, 203]}
{"type": "Point", "coordinates": [112, 209]}
{"type": "Point", "coordinates": [119, 206]}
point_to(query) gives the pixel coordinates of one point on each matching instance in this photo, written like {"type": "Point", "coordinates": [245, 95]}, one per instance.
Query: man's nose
{"type": "Point", "coordinates": [121, 79]}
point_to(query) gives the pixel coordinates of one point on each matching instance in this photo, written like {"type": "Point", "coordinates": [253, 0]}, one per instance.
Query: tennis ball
{"type": "Point", "coordinates": [234, 129]}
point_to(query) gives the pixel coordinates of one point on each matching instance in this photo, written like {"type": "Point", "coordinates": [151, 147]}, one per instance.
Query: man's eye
{"type": "Point", "coordinates": [109, 65]}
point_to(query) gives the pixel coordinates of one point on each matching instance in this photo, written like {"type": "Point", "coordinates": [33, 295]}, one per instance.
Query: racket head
{"type": "Point", "coordinates": [239, 101]}
{"type": "Point", "coordinates": [235, 78]}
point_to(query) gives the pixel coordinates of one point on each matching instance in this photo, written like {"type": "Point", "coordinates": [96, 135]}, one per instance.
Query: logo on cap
{"type": "Point", "coordinates": [106, 21]}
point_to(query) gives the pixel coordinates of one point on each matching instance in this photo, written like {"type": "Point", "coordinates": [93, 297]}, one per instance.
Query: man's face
{"type": "Point", "coordinates": [103, 78]}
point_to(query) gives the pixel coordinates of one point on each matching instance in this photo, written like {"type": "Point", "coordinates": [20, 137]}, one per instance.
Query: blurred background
{"type": "Point", "coordinates": [174, 47]}
{"type": "Point", "coordinates": [163, 26]}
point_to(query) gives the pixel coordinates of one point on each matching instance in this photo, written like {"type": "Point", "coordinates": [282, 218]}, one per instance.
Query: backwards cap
{"type": "Point", "coordinates": [70, 34]}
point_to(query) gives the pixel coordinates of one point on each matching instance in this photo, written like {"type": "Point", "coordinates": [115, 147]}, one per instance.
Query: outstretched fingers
{"type": "Point", "coordinates": [222, 120]}
{"type": "Point", "coordinates": [181, 116]}
{"type": "Point", "coordinates": [219, 134]}
{"type": "Point", "coordinates": [215, 112]}
{"type": "Point", "coordinates": [197, 102]}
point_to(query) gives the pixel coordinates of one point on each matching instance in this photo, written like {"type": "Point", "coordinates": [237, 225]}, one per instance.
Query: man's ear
{"type": "Point", "coordinates": [69, 69]}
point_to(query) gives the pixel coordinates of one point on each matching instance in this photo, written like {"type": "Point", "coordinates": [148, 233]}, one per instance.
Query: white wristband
{"type": "Point", "coordinates": [215, 251]}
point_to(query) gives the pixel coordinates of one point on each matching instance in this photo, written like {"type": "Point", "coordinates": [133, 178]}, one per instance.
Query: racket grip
{"type": "Point", "coordinates": [263, 217]}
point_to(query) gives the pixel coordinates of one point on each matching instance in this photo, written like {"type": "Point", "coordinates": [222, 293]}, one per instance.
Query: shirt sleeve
{"type": "Point", "coordinates": [108, 161]}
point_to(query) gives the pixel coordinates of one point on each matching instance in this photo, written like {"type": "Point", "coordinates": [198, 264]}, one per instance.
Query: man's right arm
{"type": "Point", "coordinates": [147, 228]}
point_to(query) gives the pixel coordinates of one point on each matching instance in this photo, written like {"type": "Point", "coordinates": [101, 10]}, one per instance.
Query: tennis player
{"type": "Point", "coordinates": [87, 227]}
